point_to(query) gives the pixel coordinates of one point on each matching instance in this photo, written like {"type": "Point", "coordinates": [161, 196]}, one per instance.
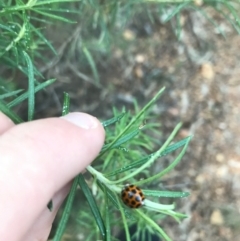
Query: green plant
{"type": "Point", "coordinates": [102, 191]}
{"type": "Point", "coordinates": [21, 42]}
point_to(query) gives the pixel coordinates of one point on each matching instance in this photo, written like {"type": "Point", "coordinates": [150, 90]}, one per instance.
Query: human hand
{"type": "Point", "coordinates": [38, 160]}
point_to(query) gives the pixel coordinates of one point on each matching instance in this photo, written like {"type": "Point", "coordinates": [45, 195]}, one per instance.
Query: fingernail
{"type": "Point", "coordinates": [82, 120]}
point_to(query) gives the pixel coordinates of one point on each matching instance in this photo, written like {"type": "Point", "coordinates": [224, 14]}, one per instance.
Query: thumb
{"type": "Point", "coordinates": [37, 160]}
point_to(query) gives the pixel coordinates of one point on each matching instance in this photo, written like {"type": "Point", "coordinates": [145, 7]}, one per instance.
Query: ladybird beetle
{"type": "Point", "coordinates": [132, 196]}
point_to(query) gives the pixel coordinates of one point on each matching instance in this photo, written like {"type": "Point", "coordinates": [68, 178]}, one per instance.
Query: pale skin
{"type": "Point", "coordinates": [38, 161]}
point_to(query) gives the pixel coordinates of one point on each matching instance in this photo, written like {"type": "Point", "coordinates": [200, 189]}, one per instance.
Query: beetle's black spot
{"type": "Point", "coordinates": [138, 205]}
{"type": "Point", "coordinates": [123, 194]}
{"type": "Point", "coordinates": [133, 203]}
{"type": "Point", "coordinates": [134, 191]}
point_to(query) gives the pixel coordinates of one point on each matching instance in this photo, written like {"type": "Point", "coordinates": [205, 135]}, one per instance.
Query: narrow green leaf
{"type": "Point", "coordinates": [172, 194]}
{"type": "Point", "coordinates": [135, 164]}
{"type": "Point", "coordinates": [31, 87]}
{"type": "Point", "coordinates": [93, 206]}
{"type": "Point", "coordinates": [53, 16]}
{"type": "Point", "coordinates": [58, 10]}
{"type": "Point", "coordinates": [8, 112]}
{"type": "Point", "coordinates": [113, 120]}
{"type": "Point", "coordinates": [176, 10]}
{"type": "Point", "coordinates": [122, 140]}
{"type": "Point", "coordinates": [24, 96]}
{"type": "Point", "coordinates": [66, 212]}
{"type": "Point", "coordinates": [107, 216]}
{"type": "Point", "coordinates": [66, 104]}
{"type": "Point", "coordinates": [92, 64]}
{"type": "Point", "coordinates": [47, 2]}
{"type": "Point", "coordinates": [10, 94]}
{"type": "Point", "coordinates": [6, 28]}
{"type": "Point", "coordinates": [179, 25]}
{"type": "Point", "coordinates": [40, 35]}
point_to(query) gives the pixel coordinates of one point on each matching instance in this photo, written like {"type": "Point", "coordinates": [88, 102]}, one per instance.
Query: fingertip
{"type": "Point", "coordinates": [82, 120]}
{"type": "Point", "coordinates": [88, 123]}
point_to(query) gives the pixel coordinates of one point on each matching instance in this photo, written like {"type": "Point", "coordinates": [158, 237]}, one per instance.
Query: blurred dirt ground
{"type": "Point", "coordinates": [201, 74]}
